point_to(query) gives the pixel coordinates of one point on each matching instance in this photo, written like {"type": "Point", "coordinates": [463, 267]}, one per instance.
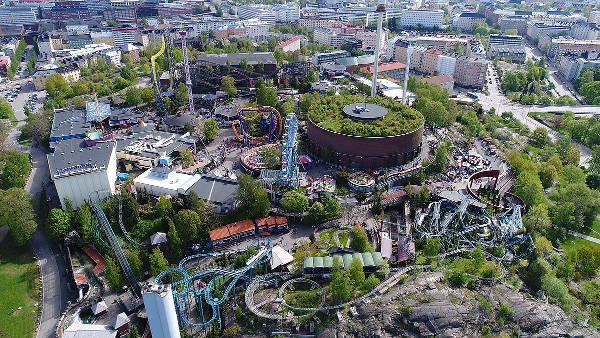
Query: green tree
{"type": "Point", "coordinates": [529, 188]}
{"type": "Point", "coordinates": [266, 96]}
{"type": "Point", "coordinates": [147, 95]}
{"type": "Point", "coordinates": [315, 215]}
{"type": "Point", "coordinates": [360, 242]}
{"type": "Point", "coordinates": [548, 175]}
{"type": "Point", "coordinates": [133, 257]}
{"type": "Point", "coordinates": [181, 94]}
{"type": "Point", "coordinates": [340, 286]}
{"type": "Point", "coordinates": [288, 106]}
{"type": "Point", "coordinates": [56, 86]}
{"type": "Point", "coordinates": [21, 225]}
{"type": "Point", "coordinates": [540, 137]}
{"type": "Point", "coordinates": [228, 84]}
{"type": "Point", "coordinates": [174, 242]}
{"type": "Point", "coordinates": [270, 156]}
{"type": "Point", "coordinates": [158, 262]}
{"type": "Point", "coordinates": [293, 201]}
{"type": "Point", "coordinates": [133, 96]}
{"type": "Point", "coordinates": [595, 159]}
{"type": "Point", "coordinates": [58, 224]}
{"type": "Point", "coordinates": [16, 169]}
{"type": "Point", "coordinates": [131, 210]}
{"type": "Point", "coordinates": [187, 223]}
{"type": "Point", "coordinates": [370, 283]}
{"type": "Point", "coordinates": [163, 207]}
{"type": "Point", "coordinates": [253, 198]}
{"type": "Point", "coordinates": [211, 129]}
{"type": "Point", "coordinates": [432, 247]}
{"type": "Point", "coordinates": [112, 273]}
{"type": "Point", "coordinates": [83, 218]}
{"type": "Point", "coordinates": [355, 271]}
{"type": "Point", "coordinates": [537, 218]}
{"type": "Point", "coordinates": [187, 158]}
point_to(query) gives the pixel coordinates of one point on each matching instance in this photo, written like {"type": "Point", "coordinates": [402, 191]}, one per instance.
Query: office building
{"type": "Point", "coordinates": [421, 17]}
{"type": "Point", "coordinates": [466, 20]}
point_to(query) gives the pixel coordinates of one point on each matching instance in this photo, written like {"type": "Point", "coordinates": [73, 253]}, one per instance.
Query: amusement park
{"type": "Point", "coordinates": [238, 198]}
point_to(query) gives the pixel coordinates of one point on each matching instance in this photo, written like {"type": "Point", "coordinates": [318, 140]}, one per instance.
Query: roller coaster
{"type": "Point", "coordinates": [270, 122]}
{"type": "Point", "coordinates": [211, 287]}
{"type": "Point", "coordinates": [468, 225]}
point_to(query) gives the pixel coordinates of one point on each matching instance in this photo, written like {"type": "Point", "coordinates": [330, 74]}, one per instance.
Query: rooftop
{"type": "Point", "coordinates": [73, 157]}
{"type": "Point", "coordinates": [172, 180]}
{"type": "Point", "coordinates": [150, 143]}
{"type": "Point", "coordinates": [215, 189]}
{"type": "Point", "coordinates": [364, 111]}
{"type": "Point", "coordinates": [439, 79]}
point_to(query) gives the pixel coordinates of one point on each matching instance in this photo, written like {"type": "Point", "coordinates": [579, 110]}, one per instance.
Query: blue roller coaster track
{"type": "Point", "coordinates": [190, 292]}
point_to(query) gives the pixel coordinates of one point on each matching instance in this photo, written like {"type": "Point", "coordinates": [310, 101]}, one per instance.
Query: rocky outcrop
{"type": "Point", "coordinates": [425, 306]}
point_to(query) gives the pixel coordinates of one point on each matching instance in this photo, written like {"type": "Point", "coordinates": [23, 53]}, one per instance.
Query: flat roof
{"type": "Point", "coordinates": [215, 189]}
{"type": "Point", "coordinates": [365, 111]}
{"type": "Point", "coordinates": [68, 122]}
{"type": "Point", "coordinates": [175, 181]}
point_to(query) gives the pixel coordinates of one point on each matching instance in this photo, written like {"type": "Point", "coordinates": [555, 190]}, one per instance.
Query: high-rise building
{"type": "Point", "coordinates": [421, 17]}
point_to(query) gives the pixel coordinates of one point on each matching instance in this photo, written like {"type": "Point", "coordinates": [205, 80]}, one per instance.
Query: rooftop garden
{"type": "Point", "coordinates": [326, 112]}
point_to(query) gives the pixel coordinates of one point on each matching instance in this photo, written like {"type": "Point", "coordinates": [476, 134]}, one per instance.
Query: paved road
{"type": "Point", "coordinates": [501, 103]}
{"type": "Point", "coordinates": [586, 237]}
{"type": "Point", "coordinates": [54, 279]}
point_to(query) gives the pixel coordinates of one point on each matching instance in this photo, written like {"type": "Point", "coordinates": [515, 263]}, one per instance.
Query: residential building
{"type": "Point", "coordinates": [284, 13]}
{"type": "Point", "coordinates": [430, 61]}
{"type": "Point", "coordinates": [80, 171]}
{"type": "Point", "coordinates": [113, 56]}
{"type": "Point", "coordinates": [584, 31]}
{"type": "Point", "coordinates": [69, 73]}
{"type": "Point", "coordinates": [506, 46]}
{"type": "Point", "coordinates": [124, 10]}
{"type": "Point", "coordinates": [82, 54]}
{"type": "Point", "coordinates": [446, 65]}
{"type": "Point", "coordinates": [466, 20]}
{"type": "Point", "coordinates": [587, 49]}
{"type": "Point", "coordinates": [312, 23]}
{"type": "Point", "coordinates": [536, 30]}
{"type": "Point", "coordinates": [421, 17]}
{"type": "Point", "coordinates": [416, 56]}
{"type": "Point", "coordinates": [595, 17]}
{"type": "Point", "coordinates": [470, 72]}
{"type": "Point", "coordinates": [571, 67]}
{"type": "Point", "coordinates": [106, 37]}
{"type": "Point", "coordinates": [335, 36]}
{"type": "Point", "coordinates": [79, 41]}
{"type": "Point", "coordinates": [320, 58]}
{"type": "Point", "coordinates": [68, 10]}
{"type": "Point", "coordinates": [234, 59]}
{"type": "Point", "coordinates": [18, 16]}
{"type": "Point", "coordinates": [290, 45]}
{"type": "Point", "coordinates": [443, 80]}
{"type": "Point", "coordinates": [132, 51]}
{"type": "Point", "coordinates": [514, 22]}
{"type": "Point", "coordinates": [126, 35]}
{"type": "Point", "coordinates": [395, 70]}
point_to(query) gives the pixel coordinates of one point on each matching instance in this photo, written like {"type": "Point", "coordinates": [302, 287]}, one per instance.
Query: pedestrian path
{"type": "Point", "coordinates": [586, 237]}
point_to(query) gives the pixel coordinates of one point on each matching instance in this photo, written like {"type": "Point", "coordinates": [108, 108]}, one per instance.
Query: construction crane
{"type": "Point", "coordinates": [188, 79]}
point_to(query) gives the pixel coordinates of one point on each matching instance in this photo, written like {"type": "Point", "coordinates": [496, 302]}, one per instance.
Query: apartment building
{"type": "Point", "coordinates": [69, 73]}
{"type": "Point", "coordinates": [106, 37]}
{"type": "Point", "coordinates": [466, 20]}
{"type": "Point", "coordinates": [284, 13]}
{"type": "Point", "coordinates": [124, 10]}
{"type": "Point", "coordinates": [18, 16]}
{"type": "Point", "coordinates": [571, 67]}
{"type": "Point", "coordinates": [124, 36]}
{"type": "Point", "coordinates": [312, 23]}
{"type": "Point", "coordinates": [430, 60]}
{"type": "Point", "coordinates": [446, 65]}
{"type": "Point", "coordinates": [584, 31]}
{"type": "Point", "coordinates": [422, 18]}
{"type": "Point", "coordinates": [443, 80]}
{"type": "Point", "coordinates": [513, 22]}
{"type": "Point", "coordinates": [470, 72]}
{"type": "Point", "coordinates": [506, 46]}
{"type": "Point", "coordinates": [587, 49]}
{"type": "Point", "coordinates": [290, 45]}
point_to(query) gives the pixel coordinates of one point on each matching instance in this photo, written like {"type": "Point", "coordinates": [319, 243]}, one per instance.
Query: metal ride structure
{"type": "Point", "coordinates": [106, 240]}
{"type": "Point", "coordinates": [212, 287]}
{"type": "Point", "coordinates": [270, 122]}
{"type": "Point", "coordinates": [160, 103]}
{"type": "Point", "coordinates": [468, 224]}
{"type": "Point", "coordinates": [188, 80]}
{"type": "Point", "coordinates": [289, 175]}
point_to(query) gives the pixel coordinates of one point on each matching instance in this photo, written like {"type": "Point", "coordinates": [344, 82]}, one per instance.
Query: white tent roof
{"type": "Point", "coordinates": [80, 330]}
{"type": "Point", "coordinates": [280, 257]}
{"type": "Point", "coordinates": [120, 320]}
{"type": "Point", "coordinates": [158, 238]}
{"type": "Point", "coordinates": [99, 307]}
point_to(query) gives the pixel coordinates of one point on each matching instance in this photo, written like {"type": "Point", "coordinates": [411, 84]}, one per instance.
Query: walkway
{"type": "Point", "coordinates": [586, 237]}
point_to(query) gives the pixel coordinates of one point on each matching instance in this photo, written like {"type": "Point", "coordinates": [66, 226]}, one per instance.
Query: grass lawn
{"type": "Point", "coordinates": [573, 242]}
{"type": "Point", "coordinates": [19, 287]}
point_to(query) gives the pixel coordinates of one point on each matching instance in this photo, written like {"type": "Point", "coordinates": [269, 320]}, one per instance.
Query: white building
{"type": "Point", "coordinates": [421, 17]}
{"type": "Point", "coordinates": [113, 56]}
{"type": "Point", "coordinates": [446, 64]}
{"type": "Point", "coordinates": [284, 13]}
{"type": "Point", "coordinates": [160, 181]}
{"type": "Point", "coordinates": [79, 171]}
{"type": "Point", "coordinates": [77, 29]}
{"type": "Point", "coordinates": [160, 307]}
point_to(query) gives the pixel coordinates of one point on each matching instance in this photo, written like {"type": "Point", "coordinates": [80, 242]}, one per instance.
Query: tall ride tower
{"type": "Point", "coordinates": [188, 80]}
{"type": "Point", "coordinates": [380, 10]}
